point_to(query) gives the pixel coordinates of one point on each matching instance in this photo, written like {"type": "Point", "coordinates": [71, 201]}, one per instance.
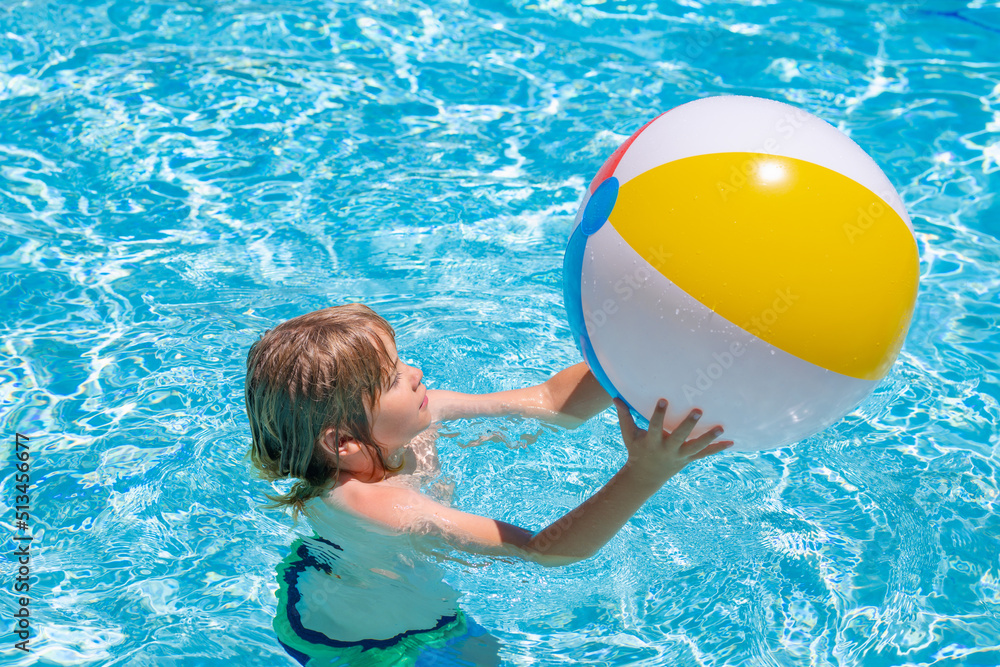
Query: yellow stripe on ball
{"type": "Point", "coordinates": [798, 255]}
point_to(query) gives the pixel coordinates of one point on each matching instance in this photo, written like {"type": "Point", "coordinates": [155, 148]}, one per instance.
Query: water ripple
{"type": "Point", "coordinates": [176, 179]}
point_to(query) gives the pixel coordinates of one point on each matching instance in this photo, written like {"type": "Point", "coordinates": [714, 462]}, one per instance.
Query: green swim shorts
{"type": "Point", "coordinates": [315, 649]}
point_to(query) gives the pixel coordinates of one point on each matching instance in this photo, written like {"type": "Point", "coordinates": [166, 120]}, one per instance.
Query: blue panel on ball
{"type": "Point", "coordinates": [572, 273]}
{"type": "Point", "coordinates": [600, 205]}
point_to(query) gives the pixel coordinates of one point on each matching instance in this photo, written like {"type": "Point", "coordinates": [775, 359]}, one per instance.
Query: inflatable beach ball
{"type": "Point", "coordinates": [741, 256]}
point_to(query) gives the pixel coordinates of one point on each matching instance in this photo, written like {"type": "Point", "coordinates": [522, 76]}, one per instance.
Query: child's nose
{"type": "Point", "coordinates": [419, 375]}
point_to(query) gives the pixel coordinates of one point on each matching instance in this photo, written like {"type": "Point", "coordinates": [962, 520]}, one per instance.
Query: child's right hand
{"type": "Point", "coordinates": [657, 454]}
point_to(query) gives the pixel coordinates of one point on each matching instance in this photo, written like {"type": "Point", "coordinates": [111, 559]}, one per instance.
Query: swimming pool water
{"type": "Point", "coordinates": [177, 177]}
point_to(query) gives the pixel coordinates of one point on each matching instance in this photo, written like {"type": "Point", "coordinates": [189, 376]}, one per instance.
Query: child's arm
{"type": "Point", "coordinates": [654, 457]}
{"type": "Point", "coordinates": [568, 399]}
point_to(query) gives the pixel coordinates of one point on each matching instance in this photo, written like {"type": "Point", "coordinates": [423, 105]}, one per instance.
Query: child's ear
{"type": "Point", "coordinates": [348, 447]}
{"type": "Point", "coordinates": [344, 447]}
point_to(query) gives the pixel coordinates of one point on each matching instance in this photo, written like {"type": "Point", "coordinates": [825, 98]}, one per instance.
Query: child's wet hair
{"type": "Point", "coordinates": [315, 372]}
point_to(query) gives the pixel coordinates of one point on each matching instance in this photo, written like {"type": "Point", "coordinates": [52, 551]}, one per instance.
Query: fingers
{"type": "Point", "coordinates": [682, 432]}
{"type": "Point", "coordinates": [625, 420]}
{"type": "Point", "coordinates": [695, 448]}
{"type": "Point", "coordinates": [659, 413]}
{"type": "Point", "coordinates": [713, 448]}
{"type": "Point", "coordinates": [703, 445]}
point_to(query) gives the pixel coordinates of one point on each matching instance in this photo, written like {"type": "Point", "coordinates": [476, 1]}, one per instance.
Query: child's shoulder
{"type": "Point", "coordinates": [384, 504]}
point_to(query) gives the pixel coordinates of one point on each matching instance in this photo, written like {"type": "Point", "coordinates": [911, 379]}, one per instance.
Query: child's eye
{"type": "Point", "coordinates": [394, 380]}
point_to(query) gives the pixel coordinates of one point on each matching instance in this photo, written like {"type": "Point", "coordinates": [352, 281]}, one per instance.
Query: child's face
{"type": "Point", "coordinates": [401, 412]}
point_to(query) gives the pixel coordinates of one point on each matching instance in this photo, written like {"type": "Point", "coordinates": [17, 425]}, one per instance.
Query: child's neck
{"type": "Point", "coordinates": [372, 472]}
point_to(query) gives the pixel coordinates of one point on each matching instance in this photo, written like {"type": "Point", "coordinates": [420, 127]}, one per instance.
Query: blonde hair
{"type": "Point", "coordinates": [315, 372]}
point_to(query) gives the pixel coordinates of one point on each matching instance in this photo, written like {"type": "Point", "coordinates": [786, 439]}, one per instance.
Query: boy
{"type": "Point", "coordinates": [331, 403]}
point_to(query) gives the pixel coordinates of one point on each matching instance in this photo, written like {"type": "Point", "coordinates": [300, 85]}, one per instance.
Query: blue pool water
{"type": "Point", "coordinates": [177, 177]}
